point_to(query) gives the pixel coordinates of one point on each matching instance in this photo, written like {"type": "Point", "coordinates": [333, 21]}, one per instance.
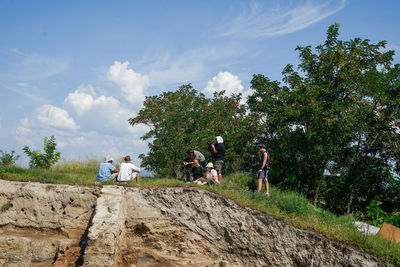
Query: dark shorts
{"type": "Point", "coordinates": [263, 174]}
{"type": "Point", "coordinates": [218, 166]}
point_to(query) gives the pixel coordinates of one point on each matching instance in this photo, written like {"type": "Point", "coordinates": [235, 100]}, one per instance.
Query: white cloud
{"type": "Point", "coordinates": [55, 117]}
{"type": "Point", "coordinates": [81, 100]}
{"type": "Point", "coordinates": [259, 22]}
{"type": "Point", "coordinates": [228, 82]}
{"type": "Point", "coordinates": [102, 114]}
{"type": "Point", "coordinates": [167, 70]}
{"type": "Point", "coordinates": [132, 84]}
{"type": "Point", "coordinates": [224, 81]}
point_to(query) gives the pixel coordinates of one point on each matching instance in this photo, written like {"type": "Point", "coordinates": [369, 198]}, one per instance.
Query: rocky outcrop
{"type": "Point", "coordinates": [38, 222]}
{"type": "Point", "coordinates": [41, 225]}
{"type": "Point", "coordinates": [249, 238]}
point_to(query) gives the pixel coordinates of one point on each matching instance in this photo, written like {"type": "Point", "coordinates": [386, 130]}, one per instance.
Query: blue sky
{"type": "Point", "coordinates": [80, 69]}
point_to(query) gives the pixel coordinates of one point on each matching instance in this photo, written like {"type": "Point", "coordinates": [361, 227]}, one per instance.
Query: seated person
{"type": "Point", "coordinates": [211, 176]}
{"type": "Point", "coordinates": [128, 171]}
{"type": "Point", "coordinates": [197, 171]}
{"type": "Point", "coordinates": [107, 171]}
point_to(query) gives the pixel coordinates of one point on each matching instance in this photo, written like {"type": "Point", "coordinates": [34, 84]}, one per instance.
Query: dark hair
{"type": "Point", "coordinates": [127, 158]}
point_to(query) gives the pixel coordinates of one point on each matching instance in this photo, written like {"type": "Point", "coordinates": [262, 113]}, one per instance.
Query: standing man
{"type": "Point", "coordinates": [106, 170]}
{"type": "Point", "coordinates": [265, 157]}
{"type": "Point", "coordinates": [218, 151]}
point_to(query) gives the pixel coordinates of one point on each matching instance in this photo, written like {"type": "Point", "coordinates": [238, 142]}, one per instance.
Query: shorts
{"type": "Point", "coordinates": [263, 174]}
{"type": "Point", "coordinates": [218, 166]}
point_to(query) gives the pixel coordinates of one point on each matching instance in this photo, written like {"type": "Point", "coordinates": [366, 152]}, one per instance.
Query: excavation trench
{"type": "Point", "coordinates": [61, 225]}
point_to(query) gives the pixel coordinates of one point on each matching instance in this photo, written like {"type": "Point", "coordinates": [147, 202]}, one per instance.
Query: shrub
{"type": "Point", "coordinates": [8, 159]}
{"type": "Point", "coordinates": [46, 160]}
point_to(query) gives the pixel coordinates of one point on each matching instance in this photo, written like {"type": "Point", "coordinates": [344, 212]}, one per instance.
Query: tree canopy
{"type": "Point", "coordinates": [332, 125]}
{"type": "Point", "coordinates": [185, 119]}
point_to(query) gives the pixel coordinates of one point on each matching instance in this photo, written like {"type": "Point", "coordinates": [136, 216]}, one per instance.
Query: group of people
{"type": "Point", "coordinates": [194, 168]}
{"type": "Point", "coordinates": [128, 171]}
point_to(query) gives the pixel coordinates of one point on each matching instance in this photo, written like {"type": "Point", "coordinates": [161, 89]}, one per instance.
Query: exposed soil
{"type": "Point", "coordinates": [64, 225]}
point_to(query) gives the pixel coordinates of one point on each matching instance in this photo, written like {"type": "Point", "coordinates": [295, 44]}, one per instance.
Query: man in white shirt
{"type": "Point", "coordinates": [128, 171]}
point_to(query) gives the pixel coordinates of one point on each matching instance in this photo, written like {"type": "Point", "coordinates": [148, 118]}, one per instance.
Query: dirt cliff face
{"type": "Point", "coordinates": [39, 221]}
{"type": "Point", "coordinates": [119, 226]}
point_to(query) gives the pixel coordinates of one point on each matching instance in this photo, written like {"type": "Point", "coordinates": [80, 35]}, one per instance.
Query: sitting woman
{"type": "Point", "coordinates": [211, 176]}
{"type": "Point", "coordinates": [128, 171]}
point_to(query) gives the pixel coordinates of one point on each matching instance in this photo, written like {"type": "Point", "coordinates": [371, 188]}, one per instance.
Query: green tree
{"type": "Point", "coordinates": [46, 159]}
{"type": "Point", "coordinates": [186, 119]}
{"type": "Point", "coordinates": [8, 159]}
{"type": "Point", "coordinates": [334, 125]}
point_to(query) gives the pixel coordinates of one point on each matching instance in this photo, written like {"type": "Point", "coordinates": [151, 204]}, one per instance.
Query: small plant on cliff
{"type": "Point", "coordinates": [46, 159]}
{"type": "Point", "coordinates": [6, 206]}
{"type": "Point", "coordinates": [8, 159]}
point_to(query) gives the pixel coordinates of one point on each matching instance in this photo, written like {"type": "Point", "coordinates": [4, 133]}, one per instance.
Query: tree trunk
{"type": "Point", "coordinates": [356, 165]}
{"type": "Point", "coordinates": [317, 190]}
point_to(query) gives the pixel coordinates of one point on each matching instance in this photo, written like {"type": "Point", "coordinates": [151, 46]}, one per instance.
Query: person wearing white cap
{"type": "Point", "coordinates": [106, 170]}
{"type": "Point", "coordinates": [211, 176]}
{"type": "Point", "coordinates": [218, 151]}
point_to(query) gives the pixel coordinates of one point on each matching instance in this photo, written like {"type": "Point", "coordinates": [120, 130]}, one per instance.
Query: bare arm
{"type": "Point", "coordinates": [213, 149]}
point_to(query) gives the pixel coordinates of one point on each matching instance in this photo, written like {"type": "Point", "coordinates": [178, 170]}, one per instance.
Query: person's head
{"type": "Point", "coordinates": [127, 159]}
{"type": "Point", "coordinates": [219, 140]}
{"type": "Point", "coordinates": [108, 159]}
{"type": "Point", "coordinates": [190, 152]}
{"type": "Point", "coordinates": [262, 147]}
{"type": "Point", "coordinates": [196, 163]}
{"type": "Point", "coordinates": [209, 166]}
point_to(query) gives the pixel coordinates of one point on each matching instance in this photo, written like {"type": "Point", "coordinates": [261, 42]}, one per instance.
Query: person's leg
{"type": "Point", "coordinates": [113, 177]}
{"type": "Point", "coordinates": [266, 182]}
{"type": "Point", "coordinates": [266, 186]}
{"type": "Point", "coordinates": [187, 176]}
{"type": "Point", "coordinates": [183, 174]}
{"type": "Point", "coordinates": [218, 168]}
{"type": "Point", "coordinates": [259, 184]}
{"type": "Point", "coordinates": [137, 177]}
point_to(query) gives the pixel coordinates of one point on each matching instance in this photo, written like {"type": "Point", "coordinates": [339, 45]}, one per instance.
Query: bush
{"type": "Point", "coordinates": [46, 160]}
{"type": "Point", "coordinates": [377, 215]}
{"type": "Point", "coordinates": [8, 159]}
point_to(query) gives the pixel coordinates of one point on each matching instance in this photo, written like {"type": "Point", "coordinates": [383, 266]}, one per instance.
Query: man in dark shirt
{"type": "Point", "coordinates": [265, 159]}
{"type": "Point", "coordinates": [197, 171]}
{"type": "Point", "coordinates": [218, 151]}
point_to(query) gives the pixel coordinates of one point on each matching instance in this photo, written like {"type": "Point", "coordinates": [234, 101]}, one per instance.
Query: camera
{"type": "Point", "coordinates": [209, 146]}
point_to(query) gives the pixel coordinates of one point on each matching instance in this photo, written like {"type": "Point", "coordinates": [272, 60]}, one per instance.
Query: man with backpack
{"type": "Point", "coordinates": [265, 158]}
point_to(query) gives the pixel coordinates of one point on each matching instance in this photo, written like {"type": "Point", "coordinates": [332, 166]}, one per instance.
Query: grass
{"type": "Point", "coordinates": [288, 206]}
